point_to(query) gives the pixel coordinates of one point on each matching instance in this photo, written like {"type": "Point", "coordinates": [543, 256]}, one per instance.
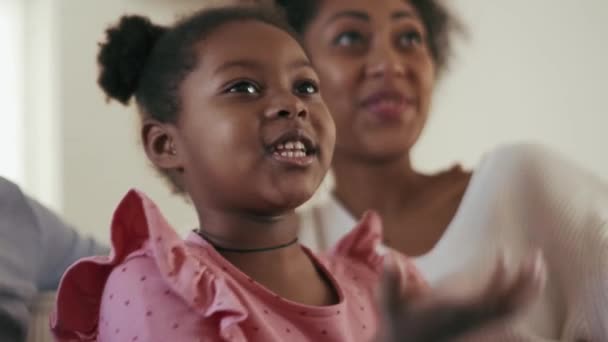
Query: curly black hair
{"type": "Point", "coordinates": [438, 20]}
{"type": "Point", "coordinates": [150, 62]}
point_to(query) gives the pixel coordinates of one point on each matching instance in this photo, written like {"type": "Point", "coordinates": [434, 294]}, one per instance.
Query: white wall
{"type": "Point", "coordinates": [102, 156]}
{"type": "Point", "coordinates": [11, 89]}
{"type": "Point", "coordinates": [43, 154]}
{"type": "Point", "coordinates": [532, 70]}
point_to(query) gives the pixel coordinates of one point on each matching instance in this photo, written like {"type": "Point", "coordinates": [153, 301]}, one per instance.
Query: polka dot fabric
{"type": "Point", "coordinates": [155, 286]}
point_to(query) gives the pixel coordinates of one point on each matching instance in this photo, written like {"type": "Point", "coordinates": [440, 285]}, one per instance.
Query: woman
{"type": "Point", "coordinates": [379, 62]}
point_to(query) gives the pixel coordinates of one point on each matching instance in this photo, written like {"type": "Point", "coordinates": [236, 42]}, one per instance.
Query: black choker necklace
{"type": "Point", "coordinates": [238, 250]}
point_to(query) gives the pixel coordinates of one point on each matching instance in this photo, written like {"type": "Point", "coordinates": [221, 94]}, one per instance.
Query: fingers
{"type": "Point", "coordinates": [413, 286]}
{"type": "Point", "coordinates": [401, 281]}
{"type": "Point", "coordinates": [438, 315]}
{"type": "Point", "coordinates": [391, 299]}
{"type": "Point", "coordinates": [505, 296]}
{"type": "Point", "coordinates": [491, 301]}
{"type": "Point", "coordinates": [499, 276]}
{"type": "Point", "coordinates": [454, 316]}
{"type": "Point", "coordinates": [528, 284]}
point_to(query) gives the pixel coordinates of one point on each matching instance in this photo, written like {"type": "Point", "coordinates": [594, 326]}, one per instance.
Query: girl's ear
{"type": "Point", "coordinates": [159, 143]}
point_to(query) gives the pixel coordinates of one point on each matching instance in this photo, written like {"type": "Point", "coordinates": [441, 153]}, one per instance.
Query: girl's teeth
{"type": "Point", "coordinates": [290, 154]}
{"type": "Point", "coordinates": [291, 146]}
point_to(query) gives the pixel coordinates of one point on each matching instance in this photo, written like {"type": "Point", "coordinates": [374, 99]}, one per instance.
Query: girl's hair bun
{"type": "Point", "coordinates": [122, 57]}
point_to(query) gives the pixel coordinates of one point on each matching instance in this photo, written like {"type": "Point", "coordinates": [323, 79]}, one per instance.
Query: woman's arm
{"type": "Point", "coordinates": [586, 297]}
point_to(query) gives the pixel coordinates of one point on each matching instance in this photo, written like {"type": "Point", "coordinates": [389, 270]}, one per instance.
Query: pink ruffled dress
{"type": "Point", "coordinates": [156, 286]}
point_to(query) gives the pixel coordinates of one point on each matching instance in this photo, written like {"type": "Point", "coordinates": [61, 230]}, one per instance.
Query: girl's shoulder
{"type": "Point", "coordinates": [150, 266]}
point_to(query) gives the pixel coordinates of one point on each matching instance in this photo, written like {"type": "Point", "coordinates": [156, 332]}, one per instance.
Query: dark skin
{"type": "Point", "coordinates": [378, 77]}
{"type": "Point", "coordinates": [365, 48]}
{"type": "Point", "coordinates": [235, 105]}
{"type": "Point", "coordinates": [232, 105]}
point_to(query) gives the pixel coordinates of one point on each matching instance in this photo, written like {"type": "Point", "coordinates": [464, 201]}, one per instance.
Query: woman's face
{"type": "Point", "coordinates": [376, 72]}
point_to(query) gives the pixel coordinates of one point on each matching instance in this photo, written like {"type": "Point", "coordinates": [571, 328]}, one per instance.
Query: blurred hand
{"type": "Point", "coordinates": [411, 313]}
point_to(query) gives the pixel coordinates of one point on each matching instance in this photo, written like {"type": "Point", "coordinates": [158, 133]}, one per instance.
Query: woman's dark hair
{"type": "Point", "coordinates": [150, 62]}
{"type": "Point", "coordinates": [439, 22]}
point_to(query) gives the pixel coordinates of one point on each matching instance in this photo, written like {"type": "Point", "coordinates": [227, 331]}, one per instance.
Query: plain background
{"type": "Point", "coordinates": [531, 70]}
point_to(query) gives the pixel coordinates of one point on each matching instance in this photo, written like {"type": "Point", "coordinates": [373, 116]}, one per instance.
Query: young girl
{"type": "Point", "coordinates": [232, 115]}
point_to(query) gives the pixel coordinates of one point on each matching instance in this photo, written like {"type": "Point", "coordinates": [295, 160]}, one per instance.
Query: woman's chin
{"type": "Point", "coordinates": [388, 144]}
{"type": "Point", "coordinates": [374, 153]}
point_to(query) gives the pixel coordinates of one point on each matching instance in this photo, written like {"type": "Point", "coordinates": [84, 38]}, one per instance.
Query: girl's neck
{"type": "Point", "coordinates": [240, 230]}
{"type": "Point", "coordinates": [244, 231]}
{"type": "Point", "coordinates": [287, 271]}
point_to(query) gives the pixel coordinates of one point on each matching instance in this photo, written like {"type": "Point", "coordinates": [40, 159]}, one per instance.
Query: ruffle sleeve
{"type": "Point", "coordinates": [139, 230]}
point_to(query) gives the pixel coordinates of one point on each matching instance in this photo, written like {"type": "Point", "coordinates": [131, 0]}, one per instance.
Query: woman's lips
{"type": "Point", "coordinates": [388, 107]}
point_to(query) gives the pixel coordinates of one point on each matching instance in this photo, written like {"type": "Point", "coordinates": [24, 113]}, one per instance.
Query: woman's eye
{"type": "Point", "coordinates": [349, 39]}
{"type": "Point", "coordinates": [244, 88]}
{"type": "Point", "coordinates": [410, 38]}
{"type": "Point", "coordinates": [307, 88]}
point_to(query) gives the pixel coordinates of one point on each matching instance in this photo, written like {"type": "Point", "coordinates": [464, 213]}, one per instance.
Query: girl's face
{"type": "Point", "coordinates": [254, 134]}
{"type": "Point", "coordinates": [377, 74]}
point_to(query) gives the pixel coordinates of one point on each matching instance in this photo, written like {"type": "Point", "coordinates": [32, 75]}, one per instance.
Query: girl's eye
{"type": "Point", "coordinates": [244, 87]}
{"type": "Point", "coordinates": [347, 39]}
{"type": "Point", "coordinates": [307, 88]}
{"type": "Point", "coordinates": [410, 38]}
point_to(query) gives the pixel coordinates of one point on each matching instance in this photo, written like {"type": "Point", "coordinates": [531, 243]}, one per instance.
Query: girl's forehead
{"type": "Point", "coordinates": [248, 40]}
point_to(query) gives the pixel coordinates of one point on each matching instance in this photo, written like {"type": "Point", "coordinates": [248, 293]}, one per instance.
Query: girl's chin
{"type": "Point", "coordinates": [291, 201]}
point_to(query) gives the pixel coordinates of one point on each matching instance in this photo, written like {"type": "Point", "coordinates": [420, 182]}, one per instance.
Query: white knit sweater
{"type": "Point", "coordinates": [520, 197]}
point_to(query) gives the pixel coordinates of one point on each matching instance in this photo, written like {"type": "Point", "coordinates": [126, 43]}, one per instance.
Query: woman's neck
{"type": "Point", "coordinates": [382, 186]}
{"type": "Point", "coordinates": [416, 209]}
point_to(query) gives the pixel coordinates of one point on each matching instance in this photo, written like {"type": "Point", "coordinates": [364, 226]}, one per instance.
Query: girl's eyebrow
{"type": "Point", "coordinates": [300, 63]}
{"type": "Point", "coordinates": [257, 65]}
{"type": "Point", "coordinates": [239, 63]}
